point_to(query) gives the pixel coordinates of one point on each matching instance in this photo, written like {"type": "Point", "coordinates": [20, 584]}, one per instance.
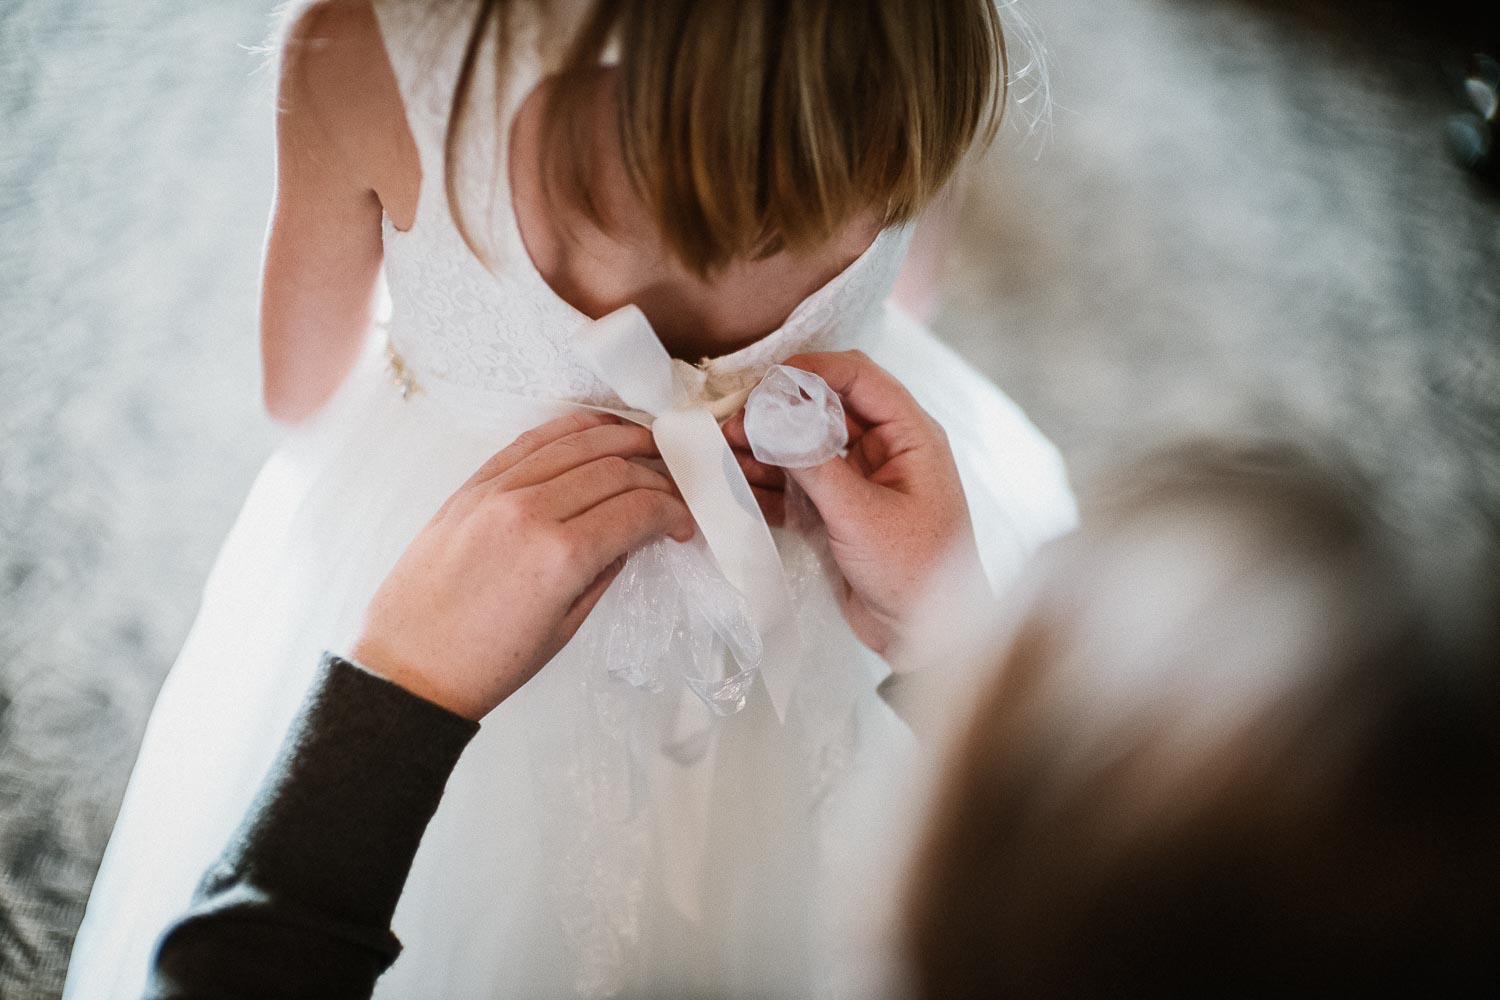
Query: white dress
{"type": "Point", "coordinates": [576, 853]}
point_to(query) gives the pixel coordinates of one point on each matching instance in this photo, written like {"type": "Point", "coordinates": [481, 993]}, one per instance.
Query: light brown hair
{"type": "Point", "coordinates": [1283, 780]}
{"type": "Point", "coordinates": [751, 126]}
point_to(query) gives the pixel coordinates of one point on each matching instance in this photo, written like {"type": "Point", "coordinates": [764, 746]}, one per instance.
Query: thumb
{"type": "Point", "coordinates": [838, 490]}
{"type": "Point", "coordinates": [584, 605]}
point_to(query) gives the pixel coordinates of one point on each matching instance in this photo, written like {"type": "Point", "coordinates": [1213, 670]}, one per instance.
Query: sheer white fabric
{"type": "Point", "coordinates": [551, 869]}
{"type": "Point", "coordinates": [794, 420]}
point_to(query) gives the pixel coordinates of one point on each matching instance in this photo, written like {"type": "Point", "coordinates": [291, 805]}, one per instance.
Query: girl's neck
{"type": "Point", "coordinates": [598, 270]}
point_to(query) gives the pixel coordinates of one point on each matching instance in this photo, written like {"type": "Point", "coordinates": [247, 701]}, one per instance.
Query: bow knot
{"type": "Point", "coordinates": [689, 385]}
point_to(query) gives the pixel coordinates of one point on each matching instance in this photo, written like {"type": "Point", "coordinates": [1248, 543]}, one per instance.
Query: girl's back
{"type": "Point", "coordinates": [368, 129]}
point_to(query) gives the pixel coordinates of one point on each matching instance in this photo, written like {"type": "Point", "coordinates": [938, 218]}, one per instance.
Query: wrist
{"type": "Point", "coordinates": [379, 658]}
{"type": "Point", "coordinates": [954, 600]}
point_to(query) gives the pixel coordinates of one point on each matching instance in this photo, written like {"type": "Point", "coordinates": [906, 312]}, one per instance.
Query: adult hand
{"type": "Point", "coordinates": [513, 562]}
{"type": "Point", "coordinates": [894, 507]}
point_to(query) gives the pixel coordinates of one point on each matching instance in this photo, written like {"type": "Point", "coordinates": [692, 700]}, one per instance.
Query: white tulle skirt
{"type": "Point", "coordinates": [549, 869]}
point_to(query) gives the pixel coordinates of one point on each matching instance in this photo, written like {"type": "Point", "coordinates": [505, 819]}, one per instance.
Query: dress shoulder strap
{"type": "Point", "coordinates": [425, 43]}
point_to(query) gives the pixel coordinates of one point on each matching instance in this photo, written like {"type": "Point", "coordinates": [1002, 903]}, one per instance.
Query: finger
{"type": "Point", "coordinates": [734, 431]}
{"type": "Point", "coordinates": [586, 601]}
{"type": "Point", "coordinates": [838, 490]}
{"type": "Point", "coordinates": [772, 504]}
{"type": "Point", "coordinates": [536, 439]}
{"type": "Point", "coordinates": [904, 455]}
{"type": "Point", "coordinates": [623, 523]}
{"type": "Point", "coordinates": [757, 472]}
{"type": "Point", "coordinates": [576, 490]}
{"type": "Point", "coordinates": [877, 446]}
{"type": "Point", "coordinates": [760, 474]}
{"type": "Point", "coordinates": [870, 393]}
{"type": "Point", "coordinates": [863, 452]}
{"type": "Point", "coordinates": [580, 448]}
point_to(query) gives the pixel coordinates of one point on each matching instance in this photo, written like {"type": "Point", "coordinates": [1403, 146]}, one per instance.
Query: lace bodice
{"type": "Point", "coordinates": [503, 329]}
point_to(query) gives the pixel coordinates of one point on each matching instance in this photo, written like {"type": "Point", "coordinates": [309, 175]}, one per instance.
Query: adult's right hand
{"type": "Point", "coordinates": [894, 507]}
{"type": "Point", "coordinates": [513, 562]}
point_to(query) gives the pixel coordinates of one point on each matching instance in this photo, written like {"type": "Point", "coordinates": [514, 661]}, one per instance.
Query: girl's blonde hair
{"type": "Point", "coordinates": [750, 126]}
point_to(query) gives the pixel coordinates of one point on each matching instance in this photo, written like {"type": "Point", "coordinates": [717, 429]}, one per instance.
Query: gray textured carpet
{"type": "Point", "coordinates": [1240, 216]}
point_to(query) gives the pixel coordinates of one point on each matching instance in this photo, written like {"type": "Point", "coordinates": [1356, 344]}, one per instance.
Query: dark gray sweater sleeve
{"type": "Point", "coordinates": [300, 902]}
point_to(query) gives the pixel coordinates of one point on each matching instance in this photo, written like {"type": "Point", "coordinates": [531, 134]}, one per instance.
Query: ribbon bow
{"type": "Point", "coordinates": [672, 398]}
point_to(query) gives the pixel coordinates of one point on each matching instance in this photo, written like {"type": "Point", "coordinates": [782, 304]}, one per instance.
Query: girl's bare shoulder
{"type": "Point", "coordinates": [338, 94]}
{"type": "Point", "coordinates": [335, 76]}
{"type": "Point", "coordinates": [326, 42]}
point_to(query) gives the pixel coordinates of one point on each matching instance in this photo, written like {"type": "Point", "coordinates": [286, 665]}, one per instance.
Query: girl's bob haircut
{"type": "Point", "coordinates": [751, 126]}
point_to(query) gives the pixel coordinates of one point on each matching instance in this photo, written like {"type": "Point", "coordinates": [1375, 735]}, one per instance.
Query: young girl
{"type": "Point", "coordinates": [745, 174]}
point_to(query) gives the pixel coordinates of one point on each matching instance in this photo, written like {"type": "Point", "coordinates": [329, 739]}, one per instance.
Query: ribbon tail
{"type": "Point", "coordinates": [627, 355]}
{"type": "Point", "coordinates": [716, 491]}
{"type": "Point", "coordinates": [682, 779]}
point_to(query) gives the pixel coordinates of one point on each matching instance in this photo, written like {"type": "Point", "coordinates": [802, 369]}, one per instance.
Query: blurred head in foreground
{"type": "Point", "coordinates": [1234, 746]}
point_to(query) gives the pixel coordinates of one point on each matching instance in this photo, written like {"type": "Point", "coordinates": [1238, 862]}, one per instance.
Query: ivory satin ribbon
{"type": "Point", "coordinates": [672, 398]}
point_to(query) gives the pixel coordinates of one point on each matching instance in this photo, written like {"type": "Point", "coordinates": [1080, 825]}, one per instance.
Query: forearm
{"type": "Point", "coordinates": [301, 901]}
{"type": "Point", "coordinates": [316, 306]}
{"type": "Point", "coordinates": [325, 247]}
